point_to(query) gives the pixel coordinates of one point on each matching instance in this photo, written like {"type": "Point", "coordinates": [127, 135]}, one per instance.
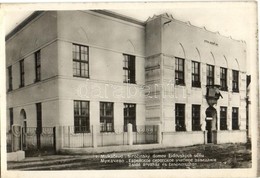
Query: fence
{"type": "Point", "coordinates": [77, 137]}
{"type": "Point", "coordinates": [74, 137]}
{"type": "Point", "coordinates": [31, 139]}
{"type": "Point", "coordinates": [9, 142]}
{"type": "Point", "coordinates": [145, 134]}
{"type": "Point", "coordinates": [34, 138]}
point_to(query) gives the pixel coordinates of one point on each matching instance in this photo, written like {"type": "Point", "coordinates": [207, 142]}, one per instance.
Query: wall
{"type": "Point", "coordinates": [36, 35]}
{"type": "Point", "coordinates": [183, 40]}
{"type": "Point", "coordinates": [237, 136]}
{"type": "Point", "coordinates": [182, 138]}
{"type": "Point", "coordinates": [108, 39]}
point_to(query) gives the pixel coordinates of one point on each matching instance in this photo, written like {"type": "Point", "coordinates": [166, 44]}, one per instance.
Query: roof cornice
{"type": "Point", "coordinates": [23, 24]}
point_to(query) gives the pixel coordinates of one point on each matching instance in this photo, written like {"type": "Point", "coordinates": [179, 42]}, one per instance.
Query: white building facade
{"type": "Point", "coordinates": [82, 69]}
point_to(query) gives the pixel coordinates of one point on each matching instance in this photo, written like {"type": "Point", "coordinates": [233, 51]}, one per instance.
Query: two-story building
{"type": "Point", "coordinates": [99, 68]}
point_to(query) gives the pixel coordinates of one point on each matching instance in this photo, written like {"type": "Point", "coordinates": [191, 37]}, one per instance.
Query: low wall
{"type": "Point", "coordinates": [231, 136]}
{"type": "Point", "coordinates": [16, 156]}
{"type": "Point", "coordinates": [111, 139]}
{"type": "Point", "coordinates": [182, 138]}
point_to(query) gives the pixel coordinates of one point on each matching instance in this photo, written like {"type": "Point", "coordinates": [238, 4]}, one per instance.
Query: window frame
{"type": "Point", "coordinates": [129, 69]}
{"type": "Point", "coordinates": [81, 118]}
{"type": "Point", "coordinates": [235, 80]}
{"type": "Point", "coordinates": [10, 78]}
{"type": "Point", "coordinates": [11, 117]}
{"type": "Point", "coordinates": [195, 117]}
{"type": "Point", "coordinates": [223, 79]}
{"type": "Point", "coordinates": [80, 60]}
{"type": "Point", "coordinates": [194, 82]}
{"type": "Point", "coordinates": [223, 118]}
{"type": "Point", "coordinates": [106, 118]}
{"type": "Point", "coordinates": [128, 118]}
{"type": "Point", "coordinates": [37, 57]}
{"type": "Point", "coordinates": [210, 70]}
{"type": "Point", "coordinates": [178, 72]}
{"type": "Point", "coordinates": [180, 119]}
{"type": "Point", "coordinates": [235, 125]}
{"type": "Point", "coordinates": [22, 80]}
{"type": "Point", "coordinates": [39, 118]}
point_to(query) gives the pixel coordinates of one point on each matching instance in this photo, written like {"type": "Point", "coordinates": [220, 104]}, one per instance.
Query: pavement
{"type": "Point", "coordinates": [226, 156]}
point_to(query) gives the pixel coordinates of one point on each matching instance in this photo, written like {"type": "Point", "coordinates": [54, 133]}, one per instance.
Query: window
{"type": "Point", "coordinates": [81, 116]}
{"type": "Point", "coordinates": [180, 117]}
{"type": "Point", "coordinates": [235, 118]}
{"type": "Point", "coordinates": [39, 118]}
{"type": "Point", "coordinates": [223, 79]}
{"type": "Point", "coordinates": [196, 117]}
{"type": "Point", "coordinates": [106, 117]}
{"type": "Point", "coordinates": [21, 73]}
{"type": "Point", "coordinates": [37, 56]}
{"type": "Point", "coordinates": [210, 75]}
{"type": "Point", "coordinates": [80, 61]}
{"type": "Point", "coordinates": [235, 77]}
{"type": "Point", "coordinates": [195, 74]}
{"type": "Point", "coordinates": [11, 115]}
{"type": "Point", "coordinates": [10, 78]}
{"type": "Point", "coordinates": [129, 115]}
{"type": "Point", "coordinates": [223, 118]}
{"type": "Point", "coordinates": [179, 71]}
{"type": "Point", "coordinates": [129, 69]}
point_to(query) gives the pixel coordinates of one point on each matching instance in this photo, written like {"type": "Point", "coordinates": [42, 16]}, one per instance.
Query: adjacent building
{"type": "Point", "coordinates": [99, 68]}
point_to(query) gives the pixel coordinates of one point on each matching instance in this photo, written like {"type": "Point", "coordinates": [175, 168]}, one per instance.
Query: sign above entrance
{"type": "Point", "coordinates": [211, 42]}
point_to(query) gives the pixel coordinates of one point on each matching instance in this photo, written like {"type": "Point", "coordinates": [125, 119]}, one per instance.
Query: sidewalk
{"type": "Point", "coordinates": [226, 156]}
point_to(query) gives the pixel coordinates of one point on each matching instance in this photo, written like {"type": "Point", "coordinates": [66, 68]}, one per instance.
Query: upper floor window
{"type": "Point", "coordinates": [80, 61]}
{"type": "Point", "coordinates": [129, 115]}
{"type": "Point", "coordinates": [195, 74]}
{"type": "Point", "coordinates": [180, 117]}
{"type": "Point", "coordinates": [223, 118]}
{"type": "Point", "coordinates": [37, 56]}
{"type": "Point", "coordinates": [179, 71]}
{"type": "Point", "coordinates": [210, 75]}
{"type": "Point", "coordinates": [223, 79]}
{"type": "Point", "coordinates": [235, 125]}
{"type": "Point", "coordinates": [81, 116]}
{"type": "Point", "coordinates": [129, 68]}
{"type": "Point", "coordinates": [235, 83]}
{"type": "Point", "coordinates": [10, 78]}
{"type": "Point", "coordinates": [106, 117]}
{"type": "Point", "coordinates": [195, 117]}
{"type": "Point", "coordinates": [21, 73]}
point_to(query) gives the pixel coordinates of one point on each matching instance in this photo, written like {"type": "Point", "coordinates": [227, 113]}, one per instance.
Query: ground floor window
{"type": "Point", "coordinates": [196, 117]}
{"type": "Point", "coordinates": [129, 115]}
{"type": "Point", "coordinates": [235, 118]}
{"type": "Point", "coordinates": [223, 118]}
{"type": "Point", "coordinates": [11, 116]}
{"type": "Point", "coordinates": [106, 117]}
{"type": "Point", "coordinates": [180, 117]}
{"type": "Point", "coordinates": [39, 117]}
{"type": "Point", "coordinates": [81, 116]}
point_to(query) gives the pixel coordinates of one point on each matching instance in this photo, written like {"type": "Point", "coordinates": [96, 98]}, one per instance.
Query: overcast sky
{"type": "Point", "coordinates": [236, 19]}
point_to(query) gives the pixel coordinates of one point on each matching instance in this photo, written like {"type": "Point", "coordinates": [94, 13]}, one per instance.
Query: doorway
{"type": "Point", "coordinates": [24, 127]}
{"type": "Point", "coordinates": [211, 124]}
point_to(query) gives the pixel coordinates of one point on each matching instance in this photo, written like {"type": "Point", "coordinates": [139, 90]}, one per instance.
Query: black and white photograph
{"type": "Point", "coordinates": [100, 89]}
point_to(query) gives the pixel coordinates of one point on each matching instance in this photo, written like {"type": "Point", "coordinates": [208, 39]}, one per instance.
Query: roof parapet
{"type": "Point", "coordinates": [170, 17]}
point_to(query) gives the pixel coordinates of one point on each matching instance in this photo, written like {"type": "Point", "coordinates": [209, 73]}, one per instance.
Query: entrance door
{"type": "Point", "coordinates": [209, 129]}
{"type": "Point", "coordinates": [211, 124]}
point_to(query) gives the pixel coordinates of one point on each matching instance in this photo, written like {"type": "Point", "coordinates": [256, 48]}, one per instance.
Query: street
{"type": "Point", "coordinates": [193, 157]}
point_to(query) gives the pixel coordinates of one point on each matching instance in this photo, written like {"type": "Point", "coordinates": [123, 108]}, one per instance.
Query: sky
{"type": "Point", "coordinates": [235, 19]}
